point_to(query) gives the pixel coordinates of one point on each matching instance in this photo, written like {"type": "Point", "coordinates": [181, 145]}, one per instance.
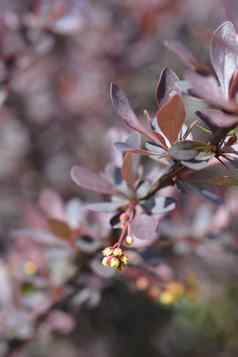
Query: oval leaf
{"type": "Point", "coordinates": [218, 119]}
{"type": "Point", "coordinates": [60, 228]}
{"type": "Point", "coordinates": [165, 85]}
{"type": "Point", "coordinates": [184, 150]}
{"type": "Point", "coordinates": [123, 108]}
{"type": "Point", "coordinates": [129, 167]}
{"type": "Point", "coordinates": [186, 56]}
{"type": "Point", "coordinates": [223, 53]}
{"type": "Point", "coordinates": [144, 227]}
{"type": "Point", "coordinates": [91, 181]}
{"type": "Point", "coordinates": [163, 205]}
{"type": "Point", "coordinates": [105, 207]}
{"type": "Point", "coordinates": [171, 118]}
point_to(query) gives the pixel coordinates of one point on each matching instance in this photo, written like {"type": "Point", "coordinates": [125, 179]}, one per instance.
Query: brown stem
{"type": "Point", "coordinates": [165, 180]}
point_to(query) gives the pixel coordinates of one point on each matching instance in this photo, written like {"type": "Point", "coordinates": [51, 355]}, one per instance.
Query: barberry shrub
{"type": "Point", "coordinates": [192, 150]}
{"type": "Point", "coordinates": [74, 248]}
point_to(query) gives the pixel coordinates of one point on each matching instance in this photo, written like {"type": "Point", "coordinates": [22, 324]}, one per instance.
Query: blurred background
{"type": "Point", "coordinates": [57, 61]}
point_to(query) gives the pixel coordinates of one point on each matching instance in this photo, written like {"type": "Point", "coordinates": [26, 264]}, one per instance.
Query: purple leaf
{"type": "Point", "coordinates": [87, 244]}
{"type": "Point", "coordinates": [208, 89]}
{"type": "Point", "coordinates": [40, 236]}
{"type": "Point", "coordinates": [171, 117]}
{"type": "Point", "coordinates": [166, 85]}
{"type": "Point", "coordinates": [144, 227]}
{"type": "Point", "coordinates": [185, 186]}
{"type": "Point", "coordinates": [163, 205]}
{"type": "Point", "coordinates": [91, 181]}
{"type": "Point", "coordinates": [233, 87]}
{"type": "Point", "coordinates": [123, 109]}
{"type": "Point", "coordinates": [51, 203]}
{"type": "Point", "coordinates": [105, 207]}
{"type": "Point", "coordinates": [218, 119]}
{"type": "Point", "coordinates": [231, 9]}
{"type": "Point", "coordinates": [223, 53]}
{"type": "Point", "coordinates": [186, 56]}
{"type": "Point", "coordinates": [128, 170]}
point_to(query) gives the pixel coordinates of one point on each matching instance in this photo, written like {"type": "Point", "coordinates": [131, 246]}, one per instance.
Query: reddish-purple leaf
{"type": "Point", "coordinates": [60, 228]}
{"type": "Point", "coordinates": [187, 186]}
{"type": "Point", "coordinates": [163, 205]}
{"type": "Point", "coordinates": [128, 170]}
{"type": "Point", "coordinates": [217, 119]}
{"type": "Point", "coordinates": [106, 207]}
{"type": "Point", "coordinates": [166, 85]}
{"type": "Point", "coordinates": [231, 9]}
{"type": "Point", "coordinates": [38, 235]}
{"type": "Point", "coordinates": [186, 56]}
{"type": "Point", "coordinates": [233, 88]}
{"type": "Point", "coordinates": [223, 52]}
{"type": "Point", "coordinates": [123, 109]}
{"type": "Point", "coordinates": [89, 180]}
{"type": "Point", "coordinates": [144, 227]}
{"type": "Point", "coordinates": [171, 118]}
{"type": "Point", "coordinates": [207, 89]}
{"type": "Point", "coordinates": [52, 204]}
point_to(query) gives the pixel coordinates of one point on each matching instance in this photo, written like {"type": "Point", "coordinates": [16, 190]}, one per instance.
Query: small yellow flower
{"type": "Point", "coordinates": [175, 289]}
{"type": "Point", "coordinates": [166, 298]}
{"type": "Point", "coordinates": [114, 258]}
{"type": "Point", "coordinates": [107, 252]}
{"type": "Point", "coordinates": [105, 262]}
{"type": "Point", "coordinates": [117, 252]}
{"type": "Point", "coordinates": [124, 259]}
{"type": "Point", "coordinates": [129, 240]}
{"type": "Point", "coordinates": [30, 268]}
{"type": "Point", "coordinates": [114, 263]}
{"type": "Point", "coordinates": [173, 292]}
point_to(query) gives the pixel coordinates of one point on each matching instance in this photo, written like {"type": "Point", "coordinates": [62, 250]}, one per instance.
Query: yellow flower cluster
{"type": "Point", "coordinates": [173, 292]}
{"type": "Point", "coordinates": [30, 268]}
{"type": "Point", "coordinates": [169, 295]}
{"type": "Point", "coordinates": [114, 258]}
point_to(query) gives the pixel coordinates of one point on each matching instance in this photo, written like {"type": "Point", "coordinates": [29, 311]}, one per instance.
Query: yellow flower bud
{"type": "Point", "coordinates": [129, 240]}
{"type": "Point", "coordinates": [176, 289]}
{"type": "Point", "coordinates": [114, 263]}
{"type": "Point", "coordinates": [30, 268]}
{"type": "Point", "coordinates": [166, 298]}
{"type": "Point", "coordinates": [107, 252]}
{"type": "Point", "coordinates": [124, 259]}
{"type": "Point", "coordinates": [117, 252]}
{"type": "Point", "coordinates": [105, 261]}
